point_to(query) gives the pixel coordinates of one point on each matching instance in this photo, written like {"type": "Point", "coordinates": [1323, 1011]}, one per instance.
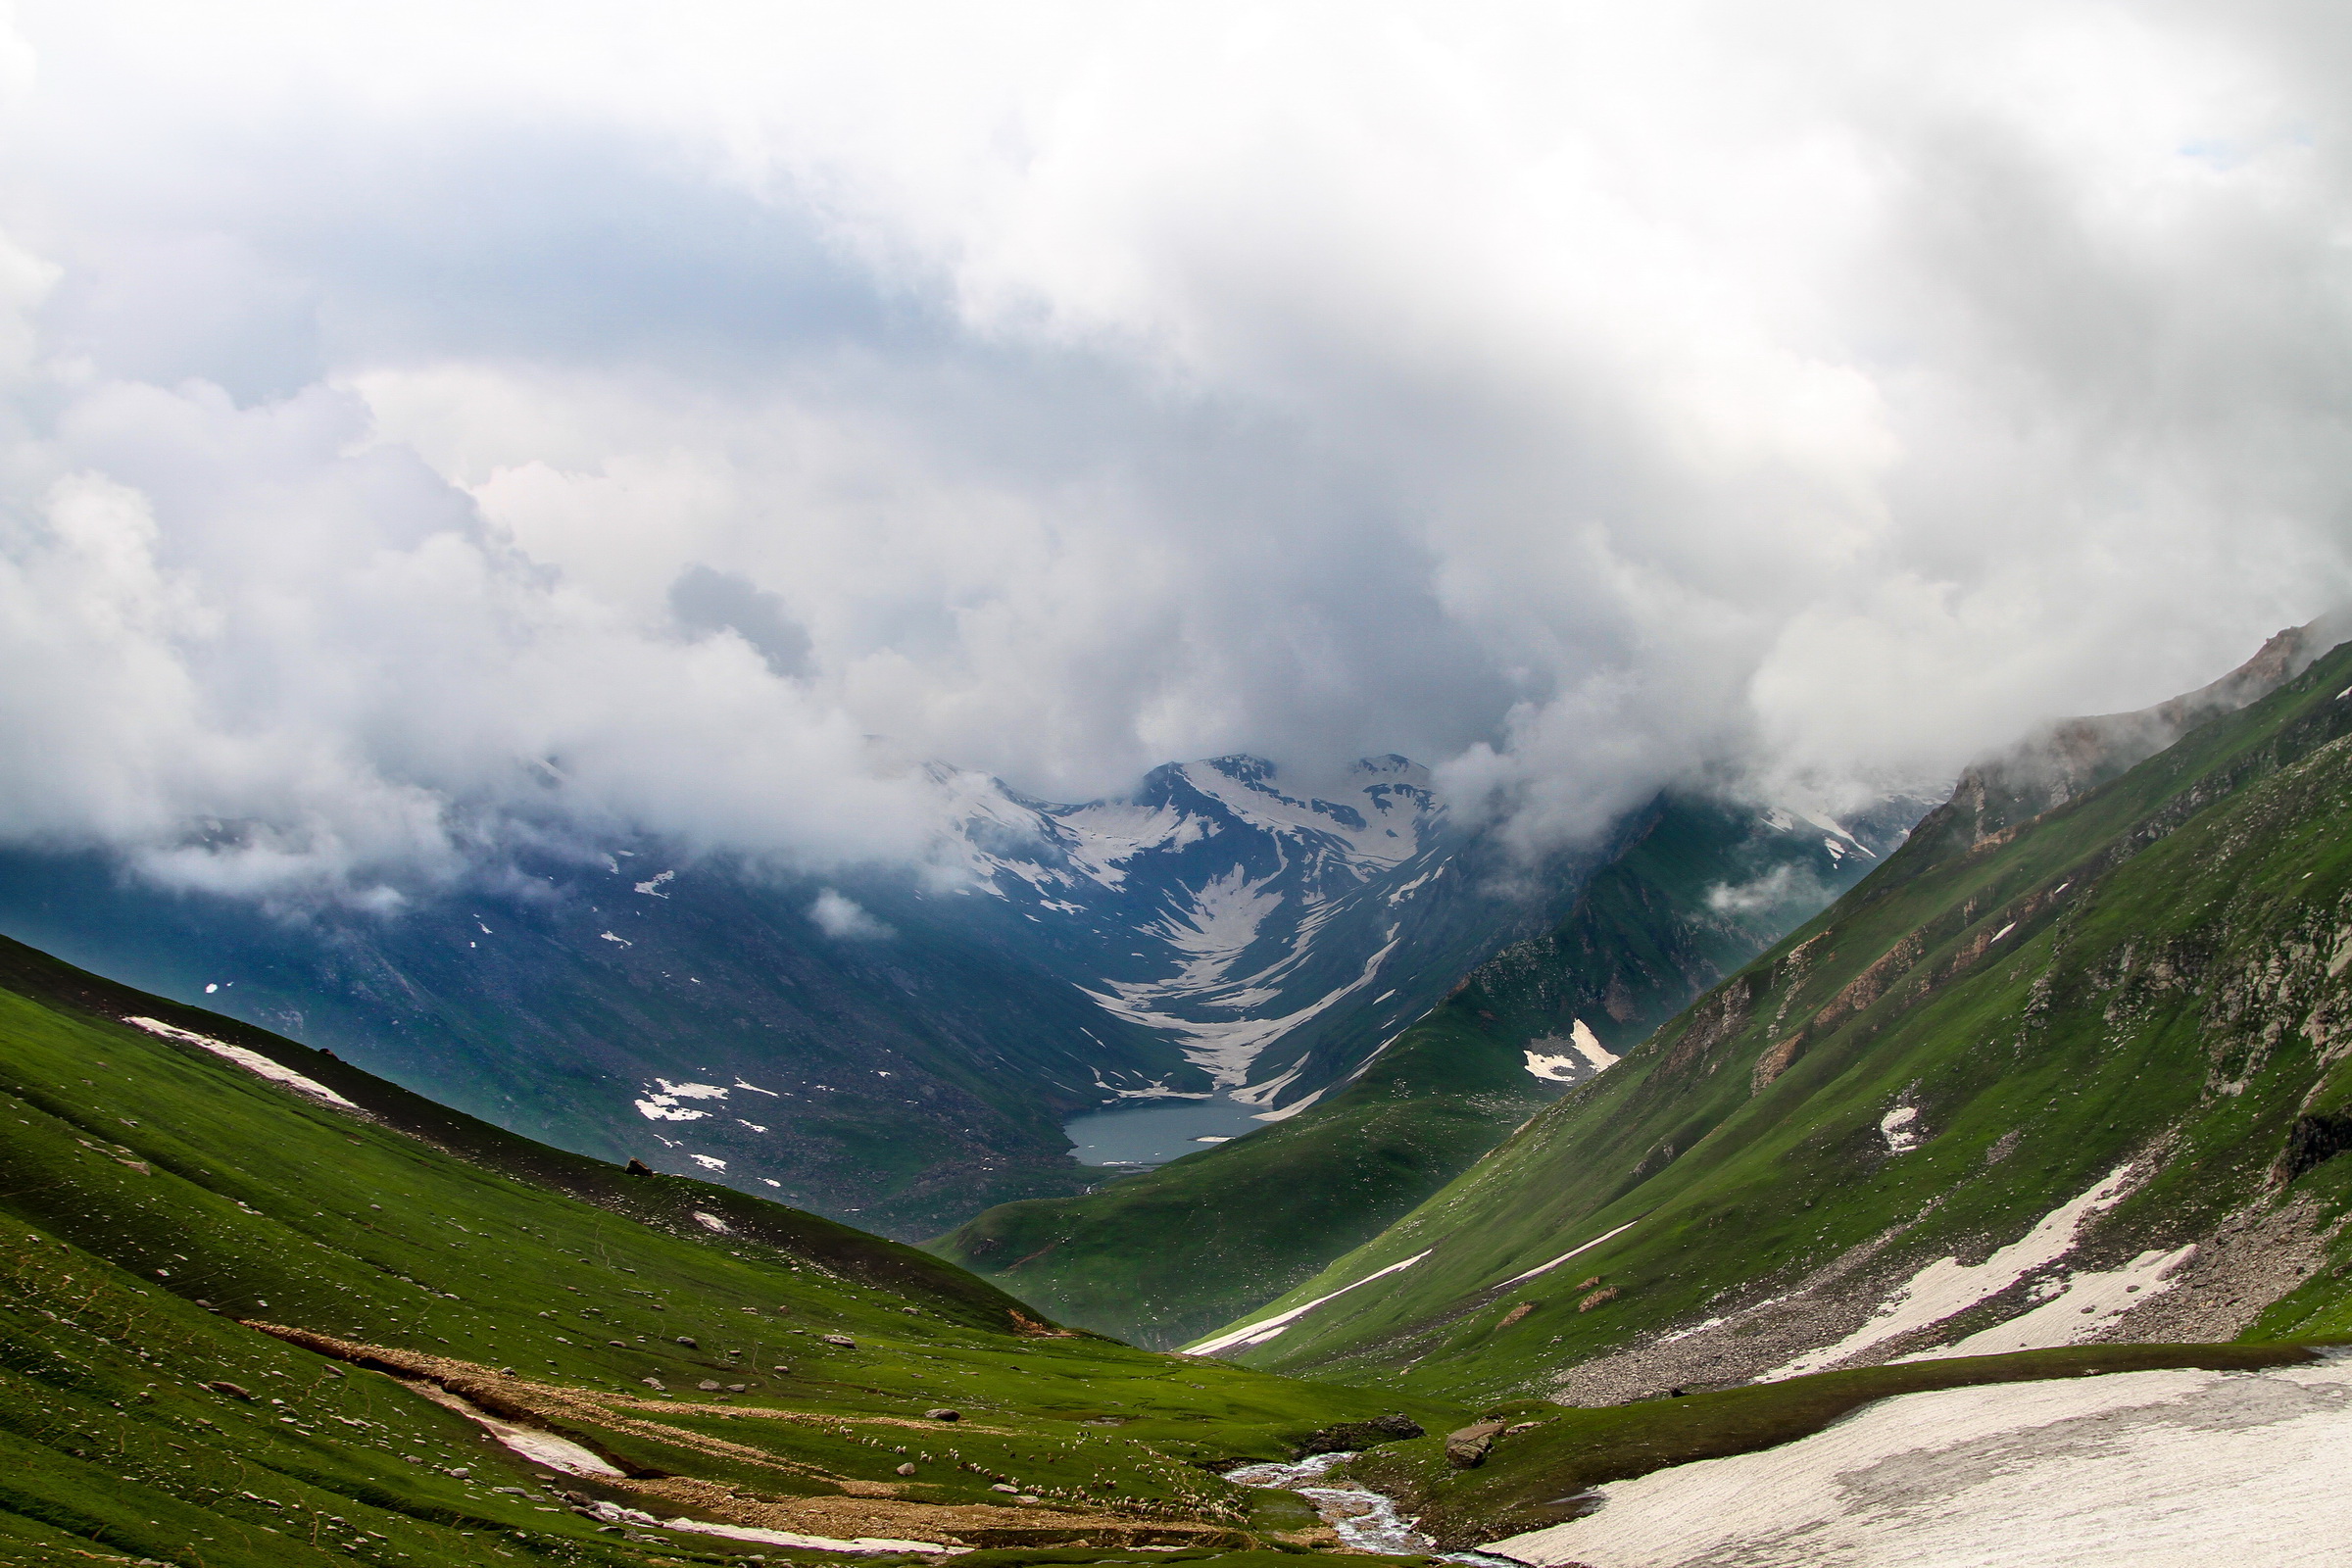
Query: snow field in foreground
{"type": "Point", "coordinates": [2128, 1470]}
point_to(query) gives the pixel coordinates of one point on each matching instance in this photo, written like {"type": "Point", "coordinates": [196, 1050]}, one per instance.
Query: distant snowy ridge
{"type": "Point", "coordinates": [1229, 913]}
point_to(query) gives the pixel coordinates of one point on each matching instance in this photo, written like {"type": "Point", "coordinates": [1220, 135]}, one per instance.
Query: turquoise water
{"type": "Point", "coordinates": [1153, 1132]}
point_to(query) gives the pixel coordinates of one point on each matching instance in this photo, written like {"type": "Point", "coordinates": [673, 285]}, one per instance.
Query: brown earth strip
{"type": "Point", "coordinates": [863, 1507]}
{"type": "Point", "coordinates": [975, 1524]}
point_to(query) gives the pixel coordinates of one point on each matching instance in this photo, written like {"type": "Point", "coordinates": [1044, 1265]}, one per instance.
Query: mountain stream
{"type": "Point", "coordinates": [1364, 1519]}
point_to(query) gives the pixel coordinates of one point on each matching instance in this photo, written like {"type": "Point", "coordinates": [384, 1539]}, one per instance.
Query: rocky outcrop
{"type": "Point", "coordinates": [2073, 756]}
{"type": "Point", "coordinates": [1349, 1437]}
{"type": "Point", "coordinates": [2310, 1141]}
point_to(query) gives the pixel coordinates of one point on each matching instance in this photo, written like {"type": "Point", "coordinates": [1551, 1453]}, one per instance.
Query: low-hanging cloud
{"type": "Point", "coordinates": [441, 427]}
{"type": "Point", "coordinates": [845, 920]}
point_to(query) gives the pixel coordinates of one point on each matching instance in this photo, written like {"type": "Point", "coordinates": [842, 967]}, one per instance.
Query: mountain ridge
{"type": "Point", "coordinates": [896, 1048]}
{"type": "Point", "coordinates": [1159, 1256]}
{"type": "Point", "coordinates": [2069, 1059]}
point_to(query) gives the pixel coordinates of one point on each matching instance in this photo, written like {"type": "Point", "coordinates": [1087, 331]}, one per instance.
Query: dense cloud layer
{"type": "Point", "coordinates": [424, 430]}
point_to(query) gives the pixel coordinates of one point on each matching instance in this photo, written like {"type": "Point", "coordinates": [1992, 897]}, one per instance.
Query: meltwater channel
{"type": "Point", "coordinates": [1364, 1519]}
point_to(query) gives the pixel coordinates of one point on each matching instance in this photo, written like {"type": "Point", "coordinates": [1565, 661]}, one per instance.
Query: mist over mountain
{"type": "Point", "coordinates": [728, 729]}
{"type": "Point", "coordinates": [901, 1049]}
{"type": "Point", "coordinates": [437, 435]}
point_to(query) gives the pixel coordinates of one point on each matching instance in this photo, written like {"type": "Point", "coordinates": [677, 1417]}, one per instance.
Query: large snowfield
{"type": "Point", "coordinates": [2132, 1470]}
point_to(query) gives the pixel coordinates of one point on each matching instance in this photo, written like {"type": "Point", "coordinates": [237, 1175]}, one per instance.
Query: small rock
{"type": "Point", "coordinates": [616, 1345]}
{"type": "Point", "coordinates": [638, 1167]}
{"type": "Point", "coordinates": [781, 1371]}
{"type": "Point", "coordinates": [653, 1383]}
{"type": "Point", "coordinates": [229, 1389]}
{"type": "Point", "coordinates": [460, 1472]}
{"type": "Point", "coordinates": [1024, 1497]}
{"type": "Point", "coordinates": [708, 1387]}
{"type": "Point", "coordinates": [1467, 1447]}
{"type": "Point", "coordinates": [1000, 1486]}
{"type": "Point", "coordinates": [941, 1415]}
{"type": "Point", "coordinates": [841, 1339]}
{"type": "Point", "coordinates": [907, 1469]}
{"type": "Point", "coordinates": [739, 1388]}
{"type": "Point", "coordinates": [909, 1312]}
{"type": "Point", "coordinates": [688, 1340]}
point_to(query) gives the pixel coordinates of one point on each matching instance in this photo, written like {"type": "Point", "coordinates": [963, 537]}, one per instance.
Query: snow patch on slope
{"type": "Point", "coordinates": [1551, 1069]}
{"type": "Point", "coordinates": [1213, 928]}
{"type": "Point", "coordinates": [1266, 1328]}
{"type": "Point", "coordinates": [1948, 1286]}
{"type": "Point", "coordinates": [661, 1103]}
{"type": "Point", "coordinates": [559, 1454]}
{"type": "Point", "coordinates": [1573, 1251]}
{"type": "Point", "coordinates": [1583, 1056]}
{"type": "Point", "coordinates": [2081, 1308]}
{"type": "Point", "coordinates": [1228, 1050]}
{"type": "Point", "coordinates": [1380, 826]}
{"type": "Point", "coordinates": [253, 1062]}
{"type": "Point", "coordinates": [1103, 837]}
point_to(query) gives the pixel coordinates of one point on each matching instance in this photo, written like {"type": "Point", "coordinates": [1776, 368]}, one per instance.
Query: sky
{"type": "Point", "coordinates": [432, 428]}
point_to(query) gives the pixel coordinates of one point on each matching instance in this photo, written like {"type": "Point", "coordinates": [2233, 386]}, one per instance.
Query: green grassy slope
{"type": "Point", "coordinates": [159, 1201]}
{"type": "Point", "coordinates": [2152, 975]}
{"type": "Point", "coordinates": [1160, 1257]}
{"type": "Point", "coordinates": [1163, 1256]}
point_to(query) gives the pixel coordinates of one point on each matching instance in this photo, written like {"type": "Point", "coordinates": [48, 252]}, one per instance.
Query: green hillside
{"type": "Point", "coordinates": [2056, 1054]}
{"type": "Point", "coordinates": [239, 1321]}
{"type": "Point", "coordinates": [1161, 1257]}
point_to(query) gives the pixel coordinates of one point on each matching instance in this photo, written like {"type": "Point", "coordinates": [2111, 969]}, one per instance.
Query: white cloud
{"type": "Point", "coordinates": [1780, 887]}
{"type": "Point", "coordinates": [845, 920]}
{"type": "Point", "coordinates": [428, 425]}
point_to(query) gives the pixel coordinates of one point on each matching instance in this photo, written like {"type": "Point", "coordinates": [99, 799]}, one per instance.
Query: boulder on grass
{"type": "Point", "coordinates": [1467, 1447]}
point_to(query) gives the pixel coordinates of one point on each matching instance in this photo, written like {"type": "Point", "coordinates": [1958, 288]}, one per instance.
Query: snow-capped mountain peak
{"type": "Point", "coordinates": [1213, 906]}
